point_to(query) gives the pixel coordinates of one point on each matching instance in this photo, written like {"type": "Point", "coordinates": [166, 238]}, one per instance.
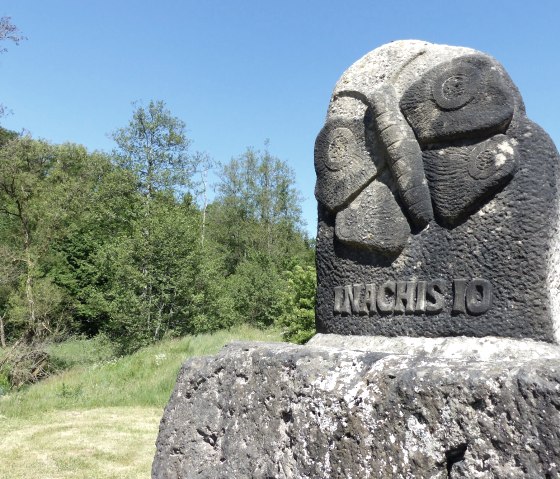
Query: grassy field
{"type": "Point", "coordinates": [99, 418]}
{"type": "Point", "coordinates": [101, 443]}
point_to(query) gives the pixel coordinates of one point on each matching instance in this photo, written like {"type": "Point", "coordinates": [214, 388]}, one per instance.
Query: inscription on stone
{"type": "Point", "coordinates": [414, 297]}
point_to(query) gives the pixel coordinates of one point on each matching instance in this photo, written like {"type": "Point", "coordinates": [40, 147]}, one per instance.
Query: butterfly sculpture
{"type": "Point", "coordinates": [436, 151]}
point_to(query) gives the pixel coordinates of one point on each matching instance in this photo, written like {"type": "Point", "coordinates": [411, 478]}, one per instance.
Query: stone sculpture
{"type": "Point", "coordinates": [438, 216]}
{"type": "Point", "coordinates": [438, 201]}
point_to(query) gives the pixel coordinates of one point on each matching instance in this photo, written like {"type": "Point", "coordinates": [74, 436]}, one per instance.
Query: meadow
{"type": "Point", "coordinates": [98, 417]}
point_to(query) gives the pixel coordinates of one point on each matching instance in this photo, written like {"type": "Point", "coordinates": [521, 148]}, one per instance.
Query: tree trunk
{"type": "Point", "coordinates": [147, 289]}
{"type": "Point", "coordinates": [2, 332]}
{"type": "Point", "coordinates": [34, 329]}
{"type": "Point", "coordinates": [33, 326]}
{"type": "Point", "coordinates": [204, 206]}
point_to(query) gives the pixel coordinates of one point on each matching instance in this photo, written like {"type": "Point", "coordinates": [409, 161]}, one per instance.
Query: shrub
{"type": "Point", "coordinates": [297, 319]}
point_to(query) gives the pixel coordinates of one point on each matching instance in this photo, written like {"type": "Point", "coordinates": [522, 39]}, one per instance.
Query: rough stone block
{"type": "Point", "coordinates": [456, 408]}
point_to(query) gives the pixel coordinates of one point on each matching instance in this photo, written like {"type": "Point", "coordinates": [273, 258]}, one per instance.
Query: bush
{"type": "Point", "coordinates": [255, 287]}
{"type": "Point", "coordinates": [297, 319]}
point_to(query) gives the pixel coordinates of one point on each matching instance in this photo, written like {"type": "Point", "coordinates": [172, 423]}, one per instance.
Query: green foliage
{"type": "Point", "coordinates": [154, 146]}
{"type": "Point", "coordinates": [145, 283]}
{"type": "Point", "coordinates": [107, 213]}
{"type": "Point", "coordinates": [128, 245]}
{"type": "Point", "coordinates": [6, 135]}
{"type": "Point", "coordinates": [50, 307]}
{"type": "Point", "coordinates": [255, 228]}
{"type": "Point", "coordinates": [297, 319]}
{"type": "Point", "coordinates": [38, 188]}
{"type": "Point", "coordinates": [149, 276]}
{"type": "Point", "coordinates": [59, 203]}
{"type": "Point", "coordinates": [257, 211]}
{"type": "Point", "coordinates": [213, 304]}
{"type": "Point", "coordinates": [255, 287]}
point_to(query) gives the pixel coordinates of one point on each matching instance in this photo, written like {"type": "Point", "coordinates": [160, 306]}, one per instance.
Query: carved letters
{"type": "Point", "coordinates": [413, 297]}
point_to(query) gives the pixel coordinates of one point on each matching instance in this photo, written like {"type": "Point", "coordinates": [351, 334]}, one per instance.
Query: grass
{"type": "Point", "coordinates": [145, 378]}
{"type": "Point", "coordinates": [105, 443]}
{"type": "Point", "coordinates": [81, 352]}
{"type": "Point", "coordinates": [99, 419]}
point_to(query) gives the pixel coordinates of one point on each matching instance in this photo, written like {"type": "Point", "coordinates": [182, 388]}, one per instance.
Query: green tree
{"type": "Point", "coordinates": [149, 282]}
{"type": "Point", "coordinates": [255, 228]}
{"type": "Point", "coordinates": [257, 190]}
{"type": "Point", "coordinates": [42, 186]}
{"type": "Point", "coordinates": [6, 135]}
{"type": "Point", "coordinates": [147, 274]}
{"type": "Point", "coordinates": [108, 207]}
{"type": "Point", "coordinates": [24, 163]}
{"type": "Point", "coordinates": [7, 270]}
{"type": "Point", "coordinates": [155, 147]}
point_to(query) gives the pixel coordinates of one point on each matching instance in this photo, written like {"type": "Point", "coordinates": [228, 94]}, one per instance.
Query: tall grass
{"type": "Point", "coordinates": [81, 352]}
{"type": "Point", "coordinates": [143, 379]}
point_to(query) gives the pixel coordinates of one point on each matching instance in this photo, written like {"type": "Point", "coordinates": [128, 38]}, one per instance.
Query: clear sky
{"type": "Point", "coordinates": [239, 72]}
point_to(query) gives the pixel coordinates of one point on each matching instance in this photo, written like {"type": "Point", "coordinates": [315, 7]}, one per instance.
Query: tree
{"type": "Point", "coordinates": [102, 214]}
{"type": "Point", "coordinates": [42, 187]}
{"type": "Point", "coordinates": [257, 190]}
{"type": "Point", "coordinates": [255, 227]}
{"type": "Point", "coordinates": [23, 164]}
{"type": "Point", "coordinates": [149, 272]}
{"type": "Point", "coordinates": [8, 31]}
{"type": "Point", "coordinates": [147, 285]}
{"type": "Point", "coordinates": [155, 147]}
{"type": "Point", "coordinates": [204, 164]}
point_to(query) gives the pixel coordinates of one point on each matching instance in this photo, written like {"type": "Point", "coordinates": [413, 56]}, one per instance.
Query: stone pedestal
{"type": "Point", "coordinates": [367, 408]}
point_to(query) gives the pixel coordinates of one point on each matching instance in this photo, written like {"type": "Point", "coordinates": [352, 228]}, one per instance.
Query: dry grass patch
{"type": "Point", "coordinates": [104, 443]}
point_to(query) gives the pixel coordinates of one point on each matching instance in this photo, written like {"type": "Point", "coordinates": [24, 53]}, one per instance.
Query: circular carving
{"type": "Point", "coordinates": [456, 86]}
{"type": "Point", "coordinates": [486, 159]}
{"type": "Point", "coordinates": [342, 145]}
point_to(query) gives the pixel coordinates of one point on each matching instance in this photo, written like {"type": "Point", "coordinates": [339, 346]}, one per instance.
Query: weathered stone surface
{"type": "Point", "coordinates": [285, 411]}
{"type": "Point", "coordinates": [469, 96]}
{"type": "Point", "coordinates": [460, 177]}
{"type": "Point", "coordinates": [463, 348]}
{"type": "Point", "coordinates": [342, 162]}
{"type": "Point", "coordinates": [374, 220]}
{"type": "Point", "coordinates": [477, 183]}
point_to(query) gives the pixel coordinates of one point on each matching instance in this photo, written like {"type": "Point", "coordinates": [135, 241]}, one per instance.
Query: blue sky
{"type": "Point", "coordinates": [239, 72]}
